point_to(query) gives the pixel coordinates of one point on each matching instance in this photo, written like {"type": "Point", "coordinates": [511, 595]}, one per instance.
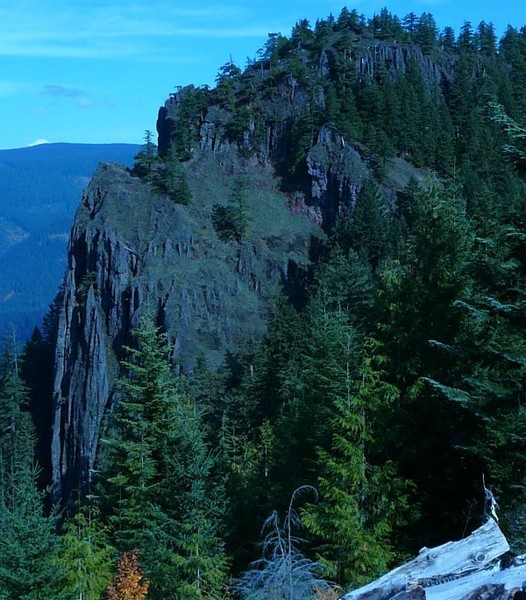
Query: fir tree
{"type": "Point", "coordinates": [85, 555]}
{"type": "Point", "coordinates": [362, 499]}
{"type": "Point", "coordinates": [28, 541]}
{"type": "Point", "coordinates": [173, 179]}
{"type": "Point", "coordinates": [157, 473]}
{"type": "Point", "coordinates": [147, 156]}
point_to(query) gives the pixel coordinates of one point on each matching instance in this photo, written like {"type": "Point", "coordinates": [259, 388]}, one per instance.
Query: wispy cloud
{"type": "Point", "coordinates": [38, 142]}
{"type": "Point", "coordinates": [79, 96]}
{"type": "Point", "coordinates": [114, 29]}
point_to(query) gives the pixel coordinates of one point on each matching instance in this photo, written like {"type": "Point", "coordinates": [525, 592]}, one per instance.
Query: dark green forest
{"type": "Point", "coordinates": [392, 378]}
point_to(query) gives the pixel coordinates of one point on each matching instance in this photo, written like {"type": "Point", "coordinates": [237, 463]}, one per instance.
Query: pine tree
{"type": "Point", "coordinates": [368, 230]}
{"type": "Point", "coordinates": [147, 156]}
{"type": "Point", "coordinates": [28, 541]}
{"type": "Point", "coordinates": [85, 555]}
{"type": "Point", "coordinates": [362, 499]}
{"type": "Point", "coordinates": [157, 473]}
{"type": "Point", "coordinates": [173, 179]}
{"type": "Point", "coordinates": [418, 290]}
{"type": "Point", "coordinates": [315, 381]}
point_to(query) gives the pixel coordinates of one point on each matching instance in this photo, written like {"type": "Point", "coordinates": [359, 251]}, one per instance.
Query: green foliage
{"type": "Point", "coordinates": [231, 222]}
{"type": "Point", "coordinates": [173, 180]}
{"type": "Point", "coordinates": [516, 132]}
{"type": "Point", "coordinates": [393, 374]}
{"type": "Point", "coordinates": [85, 556]}
{"type": "Point", "coordinates": [28, 544]}
{"type": "Point", "coordinates": [362, 499]}
{"type": "Point", "coordinates": [315, 380]}
{"type": "Point", "coordinates": [28, 541]}
{"type": "Point", "coordinates": [146, 158]}
{"type": "Point", "coordinates": [158, 476]}
{"type": "Point", "coordinates": [368, 230]}
{"type": "Point", "coordinates": [192, 107]}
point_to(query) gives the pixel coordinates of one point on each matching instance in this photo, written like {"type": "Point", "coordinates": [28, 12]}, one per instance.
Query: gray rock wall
{"type": "Point", "coordinates": [130, 246]}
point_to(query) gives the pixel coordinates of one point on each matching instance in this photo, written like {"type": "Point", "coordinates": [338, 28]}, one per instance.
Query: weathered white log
{"type": "Point", "coordinates": [513, 577]}
{"type": "Point", "coordinates": [469, 555]}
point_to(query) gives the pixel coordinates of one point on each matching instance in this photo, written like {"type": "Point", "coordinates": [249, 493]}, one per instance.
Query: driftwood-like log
{"type": "Point", "coordinates": [433, 567]}
{"type": "Point", "coordinates": [499, 581]}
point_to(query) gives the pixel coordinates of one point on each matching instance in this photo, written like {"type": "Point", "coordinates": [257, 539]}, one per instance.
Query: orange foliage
{"type": "Point", "coordinates": [129, 583]}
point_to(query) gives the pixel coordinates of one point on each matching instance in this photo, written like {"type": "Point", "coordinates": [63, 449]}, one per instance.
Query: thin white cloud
{"type": "Point", "coordinates": [112, 30]}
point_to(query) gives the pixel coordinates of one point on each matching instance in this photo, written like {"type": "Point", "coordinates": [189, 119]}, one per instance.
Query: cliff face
{"type": "Point", "coordinates": [271, 101]}
{"type": "Point", "coordinates": [437, 70]}
{"type": "Point", "coordinates": [130, 247]}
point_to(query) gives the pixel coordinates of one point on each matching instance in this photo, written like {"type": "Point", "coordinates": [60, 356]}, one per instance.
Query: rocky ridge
{"type": "Point", "coordinates": [132, 246]}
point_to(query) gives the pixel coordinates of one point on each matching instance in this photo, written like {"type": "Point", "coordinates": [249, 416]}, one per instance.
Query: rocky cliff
{"type": "Point", "coordinates": [132, 245]}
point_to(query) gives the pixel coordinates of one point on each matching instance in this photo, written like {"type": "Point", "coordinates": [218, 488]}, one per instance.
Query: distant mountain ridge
{"type": "Point", "coordinates": [40, 191]}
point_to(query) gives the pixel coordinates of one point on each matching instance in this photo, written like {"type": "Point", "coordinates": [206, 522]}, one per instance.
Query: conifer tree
{"type": "Point", "coordinates": [147, 156]}
{"type": "Point", "coordinates": [173, 179]}
{"type": "Point", "coordinates": [315, 381]}
{"type": "Point", "coordinates": [28, 541]}
{"type": "Point", "coordinates": [368, 229]}
{"type": "Point", "coordinates": [85, 555]}
{"type": "Point", "coordinates": [362, 498]}
{"type": "Point", "coordinates": [157, 473]}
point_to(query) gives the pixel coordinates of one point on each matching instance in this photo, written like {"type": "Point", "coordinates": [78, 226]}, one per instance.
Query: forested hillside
{"type": "Point", "coordinates": [308, 297]}
{"type": "Point", "coordinates": [40, 190]}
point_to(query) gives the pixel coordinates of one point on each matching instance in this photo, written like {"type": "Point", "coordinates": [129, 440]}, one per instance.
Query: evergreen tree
{"type": "Point", "coordinates": [418, 290]}
{"type": "Point", "coordinates": [28, 541]}
{"type": "Point", "coordinates": [314, 382]}
{"type": "Point", "coordinates": [466, 39]}
{"type": "Point", "coordinates": [157, 474]}
{"type": "Point", "coordinates": [410, 24]}
{"type": "Point", "coordinates": [426, 32]}
{"type": "Point", "coordinates": [85, 556]}
{"type": "Point", "coordinates": [486, 38]}
{"type": "Point", "coordinates": [147, 156]}
{"type": "Point", "coordinates": [368, 230]}
{"type": "Point", "coordinates": [446, 39]}
{"type": "Point", "coordinates": [362, 499]}
{"type": "Point", "coordinates": [173, 179]}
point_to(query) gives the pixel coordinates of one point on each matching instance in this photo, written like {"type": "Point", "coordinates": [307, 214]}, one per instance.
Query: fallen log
{"type": "Point", "coordinates": [472, 558]}
{"type": "Point", "coordinates": [501, 583]}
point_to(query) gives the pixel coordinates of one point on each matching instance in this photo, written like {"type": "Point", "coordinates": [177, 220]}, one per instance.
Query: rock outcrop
{"type": "Point", "coordinates": [131, 246]}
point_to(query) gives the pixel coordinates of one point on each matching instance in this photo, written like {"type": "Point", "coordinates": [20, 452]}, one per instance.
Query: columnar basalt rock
{"type": "Point", "coordinates": [132, 246]}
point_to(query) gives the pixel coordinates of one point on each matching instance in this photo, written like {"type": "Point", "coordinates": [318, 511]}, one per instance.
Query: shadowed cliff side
{"type": "Point", "coordinates": [269, 161]}
{"type": "Point", "coordinates": [131, 246]}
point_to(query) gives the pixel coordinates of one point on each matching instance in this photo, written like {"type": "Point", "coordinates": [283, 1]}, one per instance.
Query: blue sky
{"type": "Point", "coordinates": [97, 72]}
